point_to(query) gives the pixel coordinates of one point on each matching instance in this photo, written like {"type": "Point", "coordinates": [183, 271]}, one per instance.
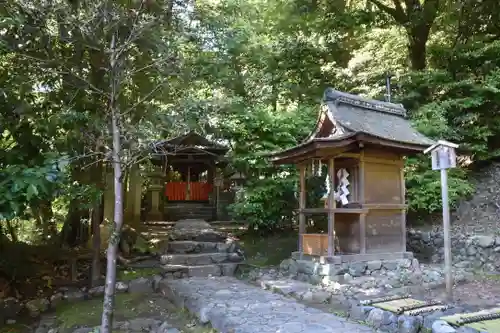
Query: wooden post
{"type": "Point", "coordinates": [362, 199]}
{"type": "Point", "coordinates": [362, 233]}
{"type": "Point", "coordinates": [361, 183]}
{"type": "Point", "coordinates": [331, 208]}
{"type": "Point", "coordinates": [443, 157]}
{"type": "Point", "coordinates": [211, 181]}
{"type": "Point", "coordinates": [447, 240]}
{"type": "Point", "coordinates": [403, 211]}
{"type": "Point", "coordinates": [302, 205]}
{"type": "Point", "coordinates": [188, 185]}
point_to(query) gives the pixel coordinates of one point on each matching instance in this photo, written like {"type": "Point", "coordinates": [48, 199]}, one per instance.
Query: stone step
{"type": "Point", "coordinates": [200, 258]}
{"type": "Point", "coordinates": [193, 211]}
{"type": "Point", "coordinates": [160, 224]}
{"type": "Point", "coordinates": [188, 247]}
{"type": "Point", "coordinates": [184, 271]}
{"type": "Point", "coordinates": [196, 230]}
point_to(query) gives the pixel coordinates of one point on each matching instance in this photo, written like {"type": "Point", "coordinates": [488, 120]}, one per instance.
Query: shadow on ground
{"type": "Point", "coordinates": [269, 249]}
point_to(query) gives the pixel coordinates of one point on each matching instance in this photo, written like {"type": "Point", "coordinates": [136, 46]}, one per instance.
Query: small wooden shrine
{"type": "Point", "coordinates": [188, 171]}
{"type": "Point", "coordinates": [361, 144]}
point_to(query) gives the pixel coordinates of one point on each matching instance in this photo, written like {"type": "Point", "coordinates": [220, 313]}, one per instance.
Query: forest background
{"type": "Point", "coordinates": [87, 85]}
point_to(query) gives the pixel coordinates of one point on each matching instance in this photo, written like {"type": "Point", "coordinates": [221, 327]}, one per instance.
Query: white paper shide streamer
{"type": "Point", "coordinates": [342, 192]}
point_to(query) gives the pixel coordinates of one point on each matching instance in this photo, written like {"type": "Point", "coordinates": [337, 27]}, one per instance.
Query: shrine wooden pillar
{"type": "Point", "coordinates": [188, 183]}
{"type": "Point", "coordinates": [302, 206]}
{"type": "Point", "coordinates": [403, 211]}
{"type": "Point", "coordinates": [331, 208]}
{"type": "Point", "coordinates": [212, 197]}
{"type": "Point", "coordinates": [361, 189]}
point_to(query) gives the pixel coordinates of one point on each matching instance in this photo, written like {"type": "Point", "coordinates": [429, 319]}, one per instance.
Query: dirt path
{"type": "Point", "coordinates": [481, 291]}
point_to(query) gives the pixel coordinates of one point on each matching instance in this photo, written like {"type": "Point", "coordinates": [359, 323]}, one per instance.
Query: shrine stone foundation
{"type": "Point", "coordinates": [322, 270]}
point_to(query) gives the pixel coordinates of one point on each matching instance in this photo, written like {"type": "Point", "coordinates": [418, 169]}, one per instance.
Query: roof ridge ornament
{"type": "Point", "coordinates": [332, 95]}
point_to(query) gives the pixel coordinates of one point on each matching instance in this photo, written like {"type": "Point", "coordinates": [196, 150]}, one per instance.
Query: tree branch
{"type": "Point", "coordinates": [398, 15]}
{"type": "Point", "coordinates": [142, 100]}
{"type": "Point", "coordinates": [431, 8]}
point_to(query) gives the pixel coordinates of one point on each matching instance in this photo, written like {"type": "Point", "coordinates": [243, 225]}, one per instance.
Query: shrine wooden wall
{"type": "Point", "coordinates": [384, 194]}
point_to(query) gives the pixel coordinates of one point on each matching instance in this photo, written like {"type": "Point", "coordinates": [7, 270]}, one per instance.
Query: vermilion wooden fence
{"type": "Point", "coordinates": [177, 191]}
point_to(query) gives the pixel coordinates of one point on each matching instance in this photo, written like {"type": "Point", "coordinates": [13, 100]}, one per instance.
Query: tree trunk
{"type": "Point", "coordinates": [114, 240]}
{"type": "Point", "coordinates": [417, 47]}
{"type": "Point", "coordinates": [96, 243]}
{"type": "Point", "coordinates": [96, 177]}
{"type": "Point", "coordinates": [71, 234]}
{"type": "Point", "coordinates": [417, 19]}
{"type": "Point", "coordinates": [45, 217]}
{"type": "Point", "coordinates": [12, 232]}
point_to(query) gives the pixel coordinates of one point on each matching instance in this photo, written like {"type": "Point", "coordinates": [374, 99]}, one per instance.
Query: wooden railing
{"type": "Point", "coordinates": [180, 191]}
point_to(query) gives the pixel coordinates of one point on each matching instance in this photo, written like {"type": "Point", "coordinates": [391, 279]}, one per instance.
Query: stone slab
{"type": "Point", "coordinates": [286, 287]}
{"type": "Point", "coordinates": [186, 247]}
{"type": "Point", "coordinates": [349, 258]}
{"type": "Point", "coordinates": [233, 306]}
{"type": "Point", "coordinates": [202, 270]}
{"type": "Point", "coordinates": [199, 258]}
{"type": "Point", "coordinates": [196, 230]}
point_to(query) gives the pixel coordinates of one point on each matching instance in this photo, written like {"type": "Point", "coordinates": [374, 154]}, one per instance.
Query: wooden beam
{"type": "Point", "coordinates": [335, 210]}
{"type": "Point", "coordinates": [361, 197]}
{"type": "Point", "coordinates": [313, 149]}
{"type": "Point", "coordinates": [331, 207]}
{"type": "Point", "coordinates": [188, 184]}
{"type": "Point", "coordinates": [370, 159]}
{"type": "Point", "coordinates": [302, 205]}
{"type": "Point", "coordinates": [361, 178]}
{"type": "Point", "coordinates": [403, 212]}
{"type": "Point", "coordinates": [362, 234]}
{"type": "Point", "coordinates": [384, 206]}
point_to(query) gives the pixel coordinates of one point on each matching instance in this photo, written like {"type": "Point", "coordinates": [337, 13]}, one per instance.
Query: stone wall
{"type": "Point", "coordinates": [479, 214]}
{"type": "Point", "coordinates": [382, 274]}
{"type": "Point", "coordinates": [469, 252]}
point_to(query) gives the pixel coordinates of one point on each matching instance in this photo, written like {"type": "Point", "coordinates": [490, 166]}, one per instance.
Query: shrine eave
{"type": "Point", "coordinates": [330, 146]}
{"type": "Point", "coordinates": [189, 142]}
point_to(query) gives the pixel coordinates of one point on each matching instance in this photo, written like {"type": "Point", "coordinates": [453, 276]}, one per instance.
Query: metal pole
{"type": "Point", "coordinates": [447, 240]}
{"type": "Point", "coordinates": [388, 87]}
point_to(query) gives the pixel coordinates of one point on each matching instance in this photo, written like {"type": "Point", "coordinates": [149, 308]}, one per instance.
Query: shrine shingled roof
{"type": "Point", "coordinates": [348, 120]}
{"type": "Point", "coordinates": [383, 120]}
{"type": "Point", "coordinates": [190, 142]}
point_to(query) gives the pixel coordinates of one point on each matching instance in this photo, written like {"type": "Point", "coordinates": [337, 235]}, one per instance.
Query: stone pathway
{"type": "Point", "coordinates": [232, 306]}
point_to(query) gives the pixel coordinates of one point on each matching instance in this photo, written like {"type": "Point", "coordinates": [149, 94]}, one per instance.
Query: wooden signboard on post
{"type": "Point", "coordinates": [443, 158]}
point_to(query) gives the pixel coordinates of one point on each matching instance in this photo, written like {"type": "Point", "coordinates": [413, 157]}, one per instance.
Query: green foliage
{"type": "Point", "coordinates": [424, 185]}
{"type": "Point", "coordinates": [268, 200]}
{"type": "Point", "coordinates": [27, 185]}
{"type": "Point", "coordinates": [256, 132]}
{"type": "Point", "coordinates": [267, 203]}
{"type": "Point", "coordinates": [248, 72]}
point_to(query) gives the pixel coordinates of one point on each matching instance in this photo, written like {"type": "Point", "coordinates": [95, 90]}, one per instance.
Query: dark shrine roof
{"type": "Point", "coordinates": [376, 118]}
{"type": "Point", "coordinates": [348, 119]}
{"type": "Point", "coordinates": [189, 143]}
